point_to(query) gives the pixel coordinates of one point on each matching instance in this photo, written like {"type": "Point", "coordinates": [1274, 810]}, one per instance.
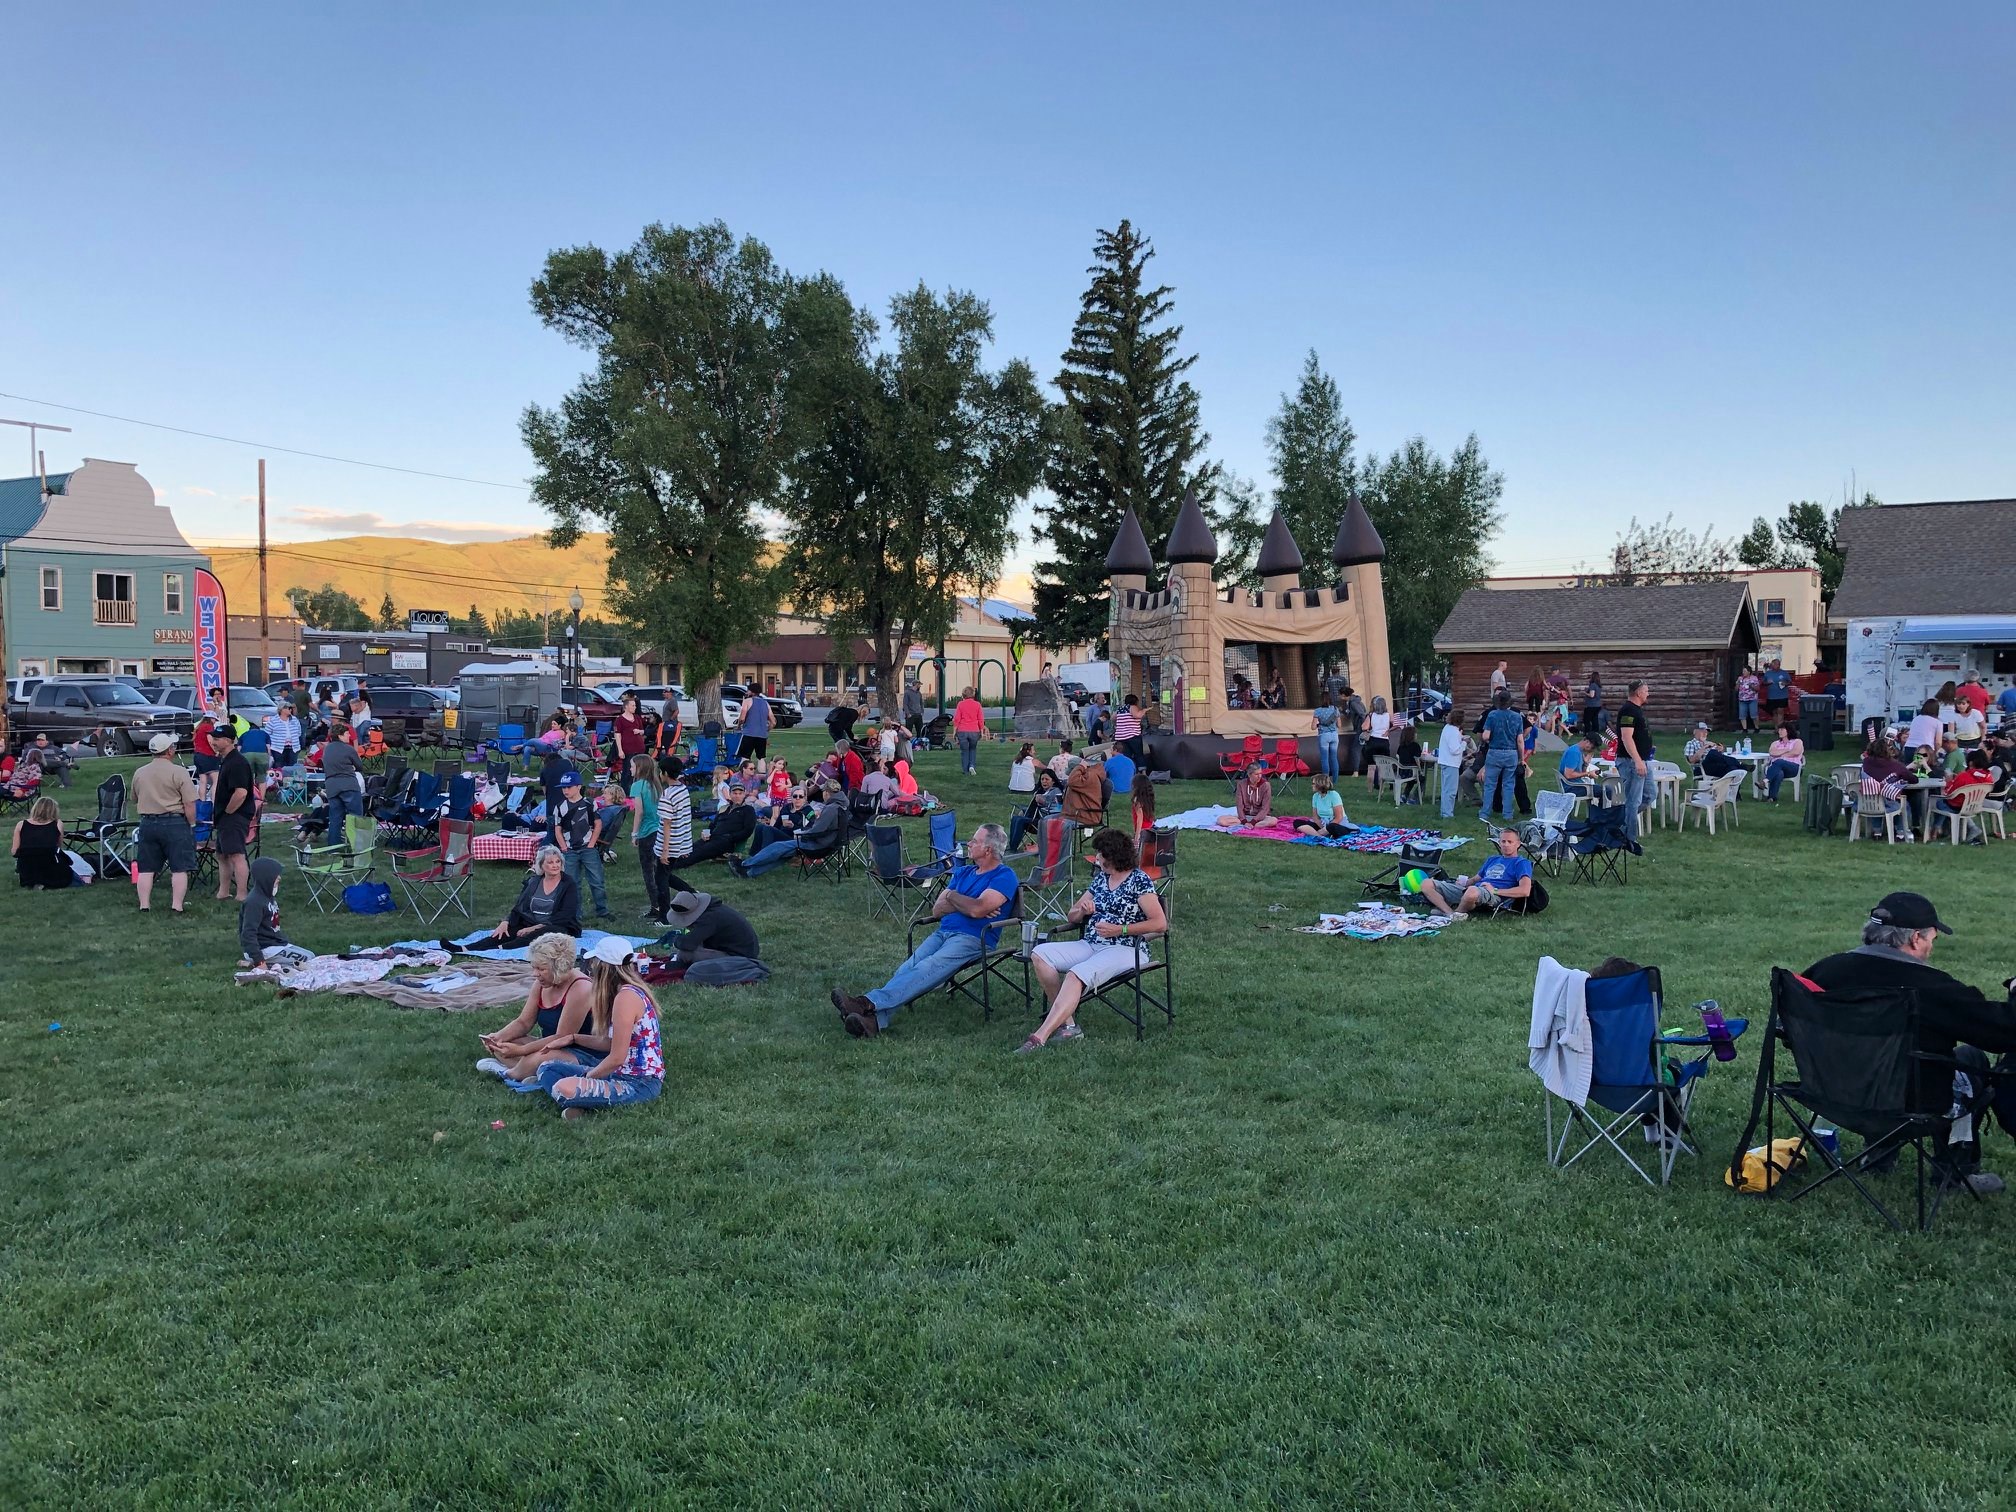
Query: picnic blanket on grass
{"type": "Point", "coordinates": [1379, 921]}
{"type": "Point", "coordinates": [1370, 839]}
{"type": "Point", "coordinates": [472, 944]}
{"type": "Point", "coordinates": [462, 988]}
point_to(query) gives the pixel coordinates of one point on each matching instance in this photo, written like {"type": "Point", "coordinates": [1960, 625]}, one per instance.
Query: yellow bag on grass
{"type": "Point", "coordinates": [1759, 1175]}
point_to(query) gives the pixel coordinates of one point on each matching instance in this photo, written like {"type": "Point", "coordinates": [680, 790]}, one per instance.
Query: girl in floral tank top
{"type": "Point", "coordinates": [623, 1032]}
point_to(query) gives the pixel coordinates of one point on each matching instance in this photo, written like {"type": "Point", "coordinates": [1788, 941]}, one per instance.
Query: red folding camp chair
{"type": "Point", "coordinates": [1286, 763]}
{"type": "Point", "coordinates": [1233, 764]}
{"type": "Point", "coordinates": [445, 884]}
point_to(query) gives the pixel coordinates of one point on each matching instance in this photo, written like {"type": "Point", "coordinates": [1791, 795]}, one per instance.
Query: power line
{"type": "Point", "coordinates": [291, 451]}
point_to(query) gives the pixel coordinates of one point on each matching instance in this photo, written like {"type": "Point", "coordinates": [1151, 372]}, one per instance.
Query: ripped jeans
{"type": "Point", "coordinates": [566, 1082]}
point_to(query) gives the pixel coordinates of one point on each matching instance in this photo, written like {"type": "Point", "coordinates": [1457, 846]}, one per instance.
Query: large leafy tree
{"type": "Point", "coordinates": [1806, 535]}
{"type": "Point", "coordinates": [1126, 436]}
{"type": "Point", "coordinates": [678, 435]}
{"type": "Point", "coordinates": [388, 613]}
{"type": "Point", "coordinates": [1437, 517]}
{"type": "Point", "coordinates": [328, 608]}
{"type": "Point", "coordinates": [904, 494]}
{"type": "Point", "coordinates": [1309, 441]}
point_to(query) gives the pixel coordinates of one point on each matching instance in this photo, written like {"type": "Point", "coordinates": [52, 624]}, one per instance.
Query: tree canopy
{"type": "Point", "coordinates": [328, 608]}
{"type": "Point", "coordinates": [1806, 535]}
{"type": "Point", "coordinates": [1661, 552]}
{"type": "Point", "coordinates": [1436, 518]}
{"type": "Point", "coordinates": [904, 495]}
{"type": "Point", "coordinates": [679, 434]}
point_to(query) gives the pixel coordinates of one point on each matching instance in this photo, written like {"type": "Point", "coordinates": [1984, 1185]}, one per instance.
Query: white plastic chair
{"type": "Point", "coordinates": [1713, 795]}
{"type": "Point", "coordinates": [1870, 808]}
{"type": "Point", "coordinates": [1964, 816]}
{"type": "Point", "coordinates": [1664, 780]}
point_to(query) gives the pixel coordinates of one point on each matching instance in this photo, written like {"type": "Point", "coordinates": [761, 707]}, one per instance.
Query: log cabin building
{"type": "Point", "coordinates": [1688, 640]}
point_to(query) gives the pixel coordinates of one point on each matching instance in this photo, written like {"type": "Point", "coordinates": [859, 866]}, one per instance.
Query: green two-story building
{"type": "Point", "coordinates": [95, 576]}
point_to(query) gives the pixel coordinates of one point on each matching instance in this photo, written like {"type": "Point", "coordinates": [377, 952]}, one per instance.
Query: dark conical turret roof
{"type": "Point", "coordinates": [1191, 540]}
{"type": "Point", "coordinates": [1279, 554]}
{"type": "Point", "coordinates": [1357, 541]}
{"type": "Point", "coordinates": [1129, 551]}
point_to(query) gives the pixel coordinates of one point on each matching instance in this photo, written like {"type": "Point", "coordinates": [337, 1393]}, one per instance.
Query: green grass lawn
{"type": "Point", "coordinates": [1302, 1248]}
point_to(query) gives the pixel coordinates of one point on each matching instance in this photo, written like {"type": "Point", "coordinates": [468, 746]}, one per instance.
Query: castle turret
{"type": "Point", "coordinates": [1357, 554]}
{"type": "Point", "coordinates": [1280, 558]}
{"type": "Point", "coordinates": [1127, 560]}
{"type": "Point", "coordinates": [1192, 552]}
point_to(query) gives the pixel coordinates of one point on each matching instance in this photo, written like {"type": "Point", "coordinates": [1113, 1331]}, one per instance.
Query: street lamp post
{"type": "Point", "coordinates": [575, 604]}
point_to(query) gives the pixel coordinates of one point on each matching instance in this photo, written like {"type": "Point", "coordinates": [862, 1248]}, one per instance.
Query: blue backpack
{"type": "Point", "coordinates": [369, 898]}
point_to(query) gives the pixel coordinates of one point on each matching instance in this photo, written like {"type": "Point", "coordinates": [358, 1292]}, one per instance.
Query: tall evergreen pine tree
{"type": "Point", "coordinates": [1127, 436]}
{"type": "Point", "coordinates": [1310, 440]}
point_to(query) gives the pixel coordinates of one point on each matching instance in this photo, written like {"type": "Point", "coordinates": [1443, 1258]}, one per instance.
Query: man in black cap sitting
{"type": "Point", "coordinates": [715, 944]}
{"type": "Point", "coordinates": [1954, 1020]}
{"type": "Point", "coordinates": [732, 827]}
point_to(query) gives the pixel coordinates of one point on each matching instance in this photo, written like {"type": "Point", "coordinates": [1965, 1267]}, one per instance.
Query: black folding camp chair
{"type": "Point", "coordinates": [1002, 964]}
{"type": "Point", "coordinates": [903, 892]}
{"type": "Point", "coordinates": [1856, 1065]}
{"type": "Point", "coordinates": [1151, 985]}
{"type": "Point", "coordinates": [109, 833]}
{"type": "Point", "coordinates": [1599, 847]}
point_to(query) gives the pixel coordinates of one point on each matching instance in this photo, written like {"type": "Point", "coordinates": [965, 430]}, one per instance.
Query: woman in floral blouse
{"type": "Point", "coordinates": [1120, 907]}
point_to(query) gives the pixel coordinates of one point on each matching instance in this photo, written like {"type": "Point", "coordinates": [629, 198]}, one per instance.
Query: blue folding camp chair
{"type": "Point", "coordinates": [944, 847]}
{"type": "Point", "coordinates": [461, 796]}
{"type": "Point", "coordinates": [510, 739]}
{"type": "Point", "coordinates": [1636, 1079]}
{"type": "Point", "coordinates": [706, 756]}
{"type": "Point", "coordinates": [731, 748]}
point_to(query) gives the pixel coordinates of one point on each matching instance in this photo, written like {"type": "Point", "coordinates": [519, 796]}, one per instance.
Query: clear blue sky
{"type": "Point", "coordinates": [1702, 260]}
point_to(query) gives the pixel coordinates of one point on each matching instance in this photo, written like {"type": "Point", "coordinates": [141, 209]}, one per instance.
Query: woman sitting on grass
{"type": "Point", "coordinates": [1022, 771]}
{"type": "Point", "coordinates": [619, 1058]}
{"type": "Point", "coordinates": [1253, 799]}
{"type": "Point", "coordinates": [550, 903]}
{"type": "Point", "coordinates": [557, 1006]}
{"type": "Point", "coordinates": [1119, 907]}
{"type": "Point", "coordinates": [1326, 809]}
{"type": "Point", "coordinates": [38, 848]}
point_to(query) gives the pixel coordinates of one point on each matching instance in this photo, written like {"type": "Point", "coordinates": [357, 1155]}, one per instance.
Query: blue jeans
{"type": "Point", "coordinates": [1634, 784]}
{"type": "Point", "coordinates": [1452, 779]}
{"type": "Point", "coordinates": [1326, 752]}
{"type": "Point", "coordinates": [1500, 767]}
{"type": "Point", "coordinates": [340, 805]}
{"type": "Point", "coordinates": [1776, 773]}
{"type": "Point", "coordinates": [770, 857]}
{"type": "Point", "coordinates": [597, 1092]}
{"type": "Point", "coordinates": [969, 752]}
{"type": "Point", "coordinates": [936, 960]}
{"type": "Point", "coordinates": [588, 863]}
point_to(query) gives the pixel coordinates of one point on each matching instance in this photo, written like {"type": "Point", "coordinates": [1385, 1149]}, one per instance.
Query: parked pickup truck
{"type": "Point", "coordinates": [108, 714]}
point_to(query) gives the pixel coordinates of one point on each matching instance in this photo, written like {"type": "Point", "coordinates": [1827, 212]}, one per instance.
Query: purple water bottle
{"type": "Point", "coordinates": [1717, 1030]}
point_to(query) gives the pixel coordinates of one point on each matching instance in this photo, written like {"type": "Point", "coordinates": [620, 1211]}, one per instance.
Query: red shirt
{"type": "Point", "coordinates": [968, 718]}
{"type": "Point", "coordinates": [629, 735]}
{"type": "Point", "coordinates": [1960, 781]}
{"type": "Point", "coordinates": [199, 742]}
{"type": "Point", "coordinates": [1975, 694]}
{"type": "Point", "coordinates": [851, 770]}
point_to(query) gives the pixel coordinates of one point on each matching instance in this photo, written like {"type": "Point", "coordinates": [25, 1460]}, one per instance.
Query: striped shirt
{"type": "Point", "coordinates": [283, 732]}
{"type": "Point", "coordinates": [1126, 724]}
{"type": "Point", "coordinates": [675, 822]}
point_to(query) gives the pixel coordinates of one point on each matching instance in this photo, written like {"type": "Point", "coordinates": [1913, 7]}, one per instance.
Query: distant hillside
{"type": "Point", "coordinates": [520, 574]}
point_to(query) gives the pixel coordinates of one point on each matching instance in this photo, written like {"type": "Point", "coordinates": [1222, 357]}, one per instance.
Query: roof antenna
{"type": "Point", "coordinates": [37, 466]}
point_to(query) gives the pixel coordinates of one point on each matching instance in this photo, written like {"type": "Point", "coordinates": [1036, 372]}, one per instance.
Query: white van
{"type": "Point", "coordinates": [1093, 677]}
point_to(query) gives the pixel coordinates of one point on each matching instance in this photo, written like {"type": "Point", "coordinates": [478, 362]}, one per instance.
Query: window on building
{"type": "Point", "coordinates": [171, 593]}
{"type": "Point", "coordinates": [830, 676]}
{"type": "Point", "coordinates": [112, 599]}
{"type": "Point", "coordinates": [1774, 611]}
{"type": "Point", "coordinates": [52, 587]}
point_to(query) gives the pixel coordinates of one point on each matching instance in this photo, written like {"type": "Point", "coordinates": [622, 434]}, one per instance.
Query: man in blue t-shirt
{"type": "Point", "coordinates": [2007, 701]}
{"type": "Point", "coordinates": [1506, 878]}
{"type": "Point", "coordinates": [970, 910]}
{"type": "Point", "coordinates": [1777, 688]}
{"type": "Point", "coordinates": [1119, 776]}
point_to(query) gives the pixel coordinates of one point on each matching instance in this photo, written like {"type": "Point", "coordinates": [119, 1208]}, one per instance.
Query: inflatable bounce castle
{"type": "Point", "coordinates": [1205, 658]}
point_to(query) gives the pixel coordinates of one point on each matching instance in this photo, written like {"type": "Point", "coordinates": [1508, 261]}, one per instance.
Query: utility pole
{"type": "Point", "coordinates": [265, 650]}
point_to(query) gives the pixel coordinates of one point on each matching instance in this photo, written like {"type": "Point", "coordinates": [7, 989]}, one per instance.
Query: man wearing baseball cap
{"type": "Point", "coordinates": [1954, 1020]}
{"type": "Point", "coordinates": [576, 830]}
{"type": "Point", "coordinates": [734, 823]}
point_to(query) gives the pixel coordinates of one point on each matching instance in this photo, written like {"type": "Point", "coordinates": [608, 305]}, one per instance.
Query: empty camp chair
{"type": "Point", "coordinates": [1713, 796]}
{"type": "Point", "coordinates": [1545, 835]}
{"type": "Point", "coordinates": [1598, 846]}
{"type": "Point", "coordinates": [439, 878]}
{"type": "Point", "coordinates": [103, 832]}
{"type": "Point", "coordinates": [1157, 849]}
{"type": "Point", "coordinates": [498, 772]}
{"type": "Point", "coordinates": [1856, 1064]}
{"type": "Point", "coordinates": [1233, 764]}
{"type": "Point", "coordinates": [944, 833]}
{"type": "Point", "coordinates": [863, 809]}
{"type": "Point", "coordinates": [1002, 967]}
{"type": "Point", "coordinates": [1046, 874]}
{"type": "Point", "coordinates": [461, 796]}
{"type": "Point", "coordinates": [731, 747]}
{"type": "Point", "coordinates": [903, 892]}
{"type": "Point", "coordinates": [1285, 764]}
{"type": "Point", "coordinates": [447, 770]}
{"type": "Point", "coordinates": [1634, 1078]}
{"type": "Point", "coordinates": [706, 756]}
{"type": "Point", "coordinates": [327, 869]}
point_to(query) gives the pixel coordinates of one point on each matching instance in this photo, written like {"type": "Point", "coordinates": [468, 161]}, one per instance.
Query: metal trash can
{"type": "Point", "coordinates": [1816, 721]}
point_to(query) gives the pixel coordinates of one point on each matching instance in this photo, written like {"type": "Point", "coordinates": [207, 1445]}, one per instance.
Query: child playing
{"type": "Point", "coordinates": [259, 939]}
{"type": "Point", "coordinates": [780, 782]}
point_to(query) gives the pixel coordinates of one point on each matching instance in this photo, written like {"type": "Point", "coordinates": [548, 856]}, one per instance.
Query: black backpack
{"type": "Point", "coordinates": [1823, 807]}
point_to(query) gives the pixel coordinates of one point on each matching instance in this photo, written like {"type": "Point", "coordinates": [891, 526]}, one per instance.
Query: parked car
{"type": "Point", "coordinates": [109, 714]}
{"type": "Point", "coordinates": [410, 716]}
{"type": "Point", "coordinates": [588, 704]}
{"type": "Point", "coordinates": [250, 704]}
{"type": "Point", "coordinates": [21, 689]}
{"type": "Point", "coordinates": [785, 711]}
{"type": "Point", "coordinates": [684, 708]}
